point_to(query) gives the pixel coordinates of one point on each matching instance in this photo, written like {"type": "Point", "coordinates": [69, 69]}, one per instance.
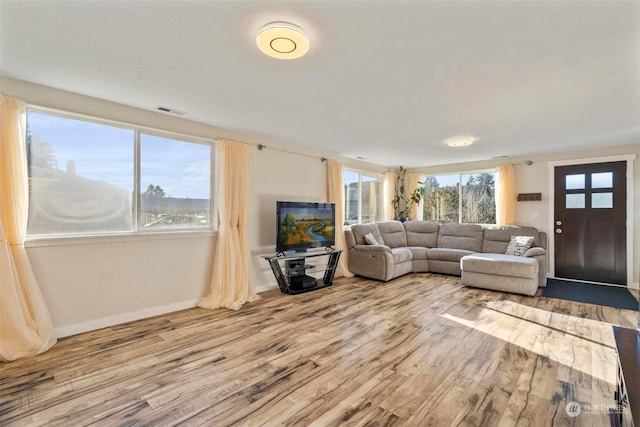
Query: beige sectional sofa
{"type": "Point", "coordinates": [474, 251]}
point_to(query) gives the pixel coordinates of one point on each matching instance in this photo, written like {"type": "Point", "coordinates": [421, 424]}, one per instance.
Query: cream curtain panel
{"type": "Point", "coordinates": [411, 184]}
{"type": "Point", "coordinates": [25, 323]}
{"type": "Point", "coordinates": [335, 194]}
{"type": "Point", "coordinates": [506, 195]}
{"type": "Point", "coordinates": [388, 192]}
{"type": "Point", "coordinates": [231, 281]}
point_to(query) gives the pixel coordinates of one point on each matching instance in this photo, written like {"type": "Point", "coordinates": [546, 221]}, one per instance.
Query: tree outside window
{"type": "Point", "coordinates": [479, 198]}
{"type": "Point", "coordinates": [460, 198]}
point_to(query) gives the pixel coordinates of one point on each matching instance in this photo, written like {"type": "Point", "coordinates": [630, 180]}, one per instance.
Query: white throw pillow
{"type": "Point", "coordinates": [519, 245]}
{"type": "Point", "coordinates": [370, 239]}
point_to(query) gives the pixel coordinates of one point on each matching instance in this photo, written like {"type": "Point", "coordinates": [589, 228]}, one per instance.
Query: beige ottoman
{"type": "Point", "coordinates": [499, 272]}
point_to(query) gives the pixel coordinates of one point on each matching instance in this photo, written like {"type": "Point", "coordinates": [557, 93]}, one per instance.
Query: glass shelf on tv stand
{"type": "Point", "coordinates": [296, 277]}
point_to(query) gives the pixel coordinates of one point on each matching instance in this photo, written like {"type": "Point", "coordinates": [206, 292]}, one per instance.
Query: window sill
{"type": "Point", "coordinates": [37, 242]}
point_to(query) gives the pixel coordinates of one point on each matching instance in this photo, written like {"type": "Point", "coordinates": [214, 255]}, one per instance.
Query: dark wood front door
{"type": "Point", "coordinates": [590, 222]}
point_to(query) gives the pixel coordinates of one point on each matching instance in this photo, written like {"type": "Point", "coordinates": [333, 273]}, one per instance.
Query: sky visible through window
{"type": "Point", "coordinates": [106, 153]}
{"type": "Point", "coordinates": [447, 180]}
{"type": "Point", "coordinates": [182, 170]}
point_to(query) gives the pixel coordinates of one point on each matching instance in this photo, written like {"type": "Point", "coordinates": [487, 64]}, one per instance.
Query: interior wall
{"type": "Point", "coordinates": [534, 178]}
{"type": "Point", "coordinates": [94, 282]}
{"type": "Point", "coordinates": [91, 283]}
{"type": "Point", "coordinates": [286, 177]}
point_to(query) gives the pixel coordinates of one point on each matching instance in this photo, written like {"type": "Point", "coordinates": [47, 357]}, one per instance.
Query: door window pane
{"type": "Point", "coordinates": [175, 181]}
{"type": "Point", "coordinates": [574, 182]}
{"type": "Point", "coordinates": [602, 180]}
{"type": "Point", "coordinates": [575, 201]}
{"type": "Point", "coordinates": [80, 176]}
{"type": "Point", "coordinates": [602, 200]}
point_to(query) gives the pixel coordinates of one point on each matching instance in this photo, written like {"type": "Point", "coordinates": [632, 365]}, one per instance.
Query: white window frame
{"type": "Point", "coordinates": [459, 174]}
{"type": "Point", "coordinates": [360, 173]}
{"type": "Point", "coordinates": [54, 239]}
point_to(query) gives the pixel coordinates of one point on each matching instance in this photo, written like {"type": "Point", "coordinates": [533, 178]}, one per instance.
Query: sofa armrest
{"type": "Point", "coordinates": [371, 248]}
{"type": "Point", "coordinates": [532, 252]}
{"type": "Point", "coordinates": [540, 254]}
{"type": "Point", "coordinates": [373, 261]}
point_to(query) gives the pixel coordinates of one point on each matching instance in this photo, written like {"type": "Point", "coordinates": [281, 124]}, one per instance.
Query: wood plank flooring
{"type": "Point", "coordinates": [420, 350]}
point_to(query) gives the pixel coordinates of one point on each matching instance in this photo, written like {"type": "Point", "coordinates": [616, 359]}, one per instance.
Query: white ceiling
{"type": "Point", "coordinates": [389, 81]}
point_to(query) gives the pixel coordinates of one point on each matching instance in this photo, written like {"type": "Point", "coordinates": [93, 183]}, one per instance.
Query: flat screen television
{"type": "Point", "coordinates": [304, 225]}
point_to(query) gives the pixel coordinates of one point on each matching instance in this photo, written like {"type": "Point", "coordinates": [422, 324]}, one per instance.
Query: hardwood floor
{"type": "Point", "coordinates": [419, 350]}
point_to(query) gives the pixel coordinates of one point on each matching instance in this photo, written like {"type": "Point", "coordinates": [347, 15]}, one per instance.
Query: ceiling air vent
{"type": "Point", "coordinates": [170, 110]}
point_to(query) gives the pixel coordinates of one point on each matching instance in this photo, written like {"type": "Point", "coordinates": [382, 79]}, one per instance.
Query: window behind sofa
{"type": "Point", "coordinates": [463, 198]}
{"type": "Point", "coordinates": [93, 177]}
{"type": "Point", "coordinates": [363, 197]}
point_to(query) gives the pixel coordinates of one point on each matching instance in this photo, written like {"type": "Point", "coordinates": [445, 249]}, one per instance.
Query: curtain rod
{"type": "Point", "coordinates": [528, 163]}
{"type": "Point", "coordinates": [262, 147]}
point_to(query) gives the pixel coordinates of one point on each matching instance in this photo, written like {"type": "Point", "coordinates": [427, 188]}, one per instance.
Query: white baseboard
{"type": "Point", "coordinates": [105, 322]}
{"type": "Point", "coordinates": [263, 287]}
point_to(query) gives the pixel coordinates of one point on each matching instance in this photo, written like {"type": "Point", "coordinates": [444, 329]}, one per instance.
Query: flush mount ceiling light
{"type": "Point", "coordinates": [282, 40]}
{"type": "Point", "coordinates": [460, 142]}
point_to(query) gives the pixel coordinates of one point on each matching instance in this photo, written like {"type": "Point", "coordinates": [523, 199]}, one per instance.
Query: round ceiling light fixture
{"type": "Point", "coordinates": [282, 40]}
{"type": "Point", "coordinates": [463, 141]}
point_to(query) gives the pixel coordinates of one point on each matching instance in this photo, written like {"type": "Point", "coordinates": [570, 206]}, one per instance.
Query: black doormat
{"type": "Point", "coordinates": [612, 296]}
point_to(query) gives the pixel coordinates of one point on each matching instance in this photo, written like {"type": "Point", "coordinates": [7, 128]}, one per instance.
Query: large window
{"type": "Point", "coordinates": [175, 179]}
{"type": "Point", "coordinates": [87, 177]}
{"type": "Point", "coordinates": [363, 197]}
{"type": "Point", "coordinates": [460, 198]}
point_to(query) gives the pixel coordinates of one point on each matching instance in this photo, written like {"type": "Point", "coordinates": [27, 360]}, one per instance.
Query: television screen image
{"type": "Point", "coordinates": [303, 225]}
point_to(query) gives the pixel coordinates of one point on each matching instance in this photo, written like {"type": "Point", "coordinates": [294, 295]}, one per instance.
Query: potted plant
{"type": "Point", "coordinates": [403, 204]}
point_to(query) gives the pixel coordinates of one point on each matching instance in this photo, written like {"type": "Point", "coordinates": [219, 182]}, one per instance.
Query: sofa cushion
{"type": "Point", "coordinates": [535, 252]}
{"type": "Point", "coordinates": [393, 234]}
{"type": "Point", "coordinates": [461, 236]}
{"type": "Point", "coordinates": [497, 238]}
{"type": "Point", "coordinates": [422, 233]}
{"type": "Point", "coordinates": [401, 255]}
{"type": "Point", "coordinates": [444, 254]}
{"type": "Point", "coordinates": [370, 239]}
{"type": "Point", "coordinates": [501, 265]}
{"type": "Point", "coordinates": [418, 252]}
{"type": "Point", "coordinates": [519, 245]}
{"type": "Point", "coordinates": [360, 230]}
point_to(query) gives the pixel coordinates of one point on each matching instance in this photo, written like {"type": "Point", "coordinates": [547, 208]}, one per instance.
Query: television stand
{"type": "Point", "coordinates": [295, 276]}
